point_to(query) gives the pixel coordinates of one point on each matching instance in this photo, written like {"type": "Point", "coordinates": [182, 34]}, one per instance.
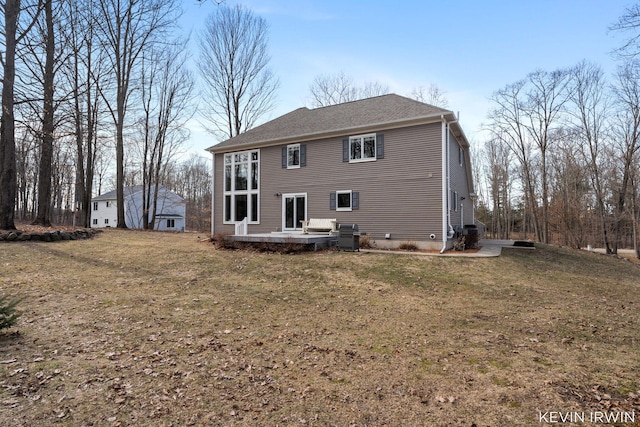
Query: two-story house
{"type": "Point", "coordinates": [170, 211]}
{"type": "Point", "coordinates": [398, 168]}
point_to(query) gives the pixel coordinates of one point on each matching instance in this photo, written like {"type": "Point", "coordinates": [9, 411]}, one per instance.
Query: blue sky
{"type": "Point", "coordinates": [467, 48]}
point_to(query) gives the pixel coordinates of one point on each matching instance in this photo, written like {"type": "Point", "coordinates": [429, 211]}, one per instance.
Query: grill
{"type": "Point", "coordinates": [348, 237]}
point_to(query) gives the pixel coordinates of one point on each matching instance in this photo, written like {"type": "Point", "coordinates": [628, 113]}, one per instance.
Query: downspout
{"type": "Point", "coordinates": [446, 182]}
{"type": "Point", "coordinates": [213, 192]}
{"type": "Point", "coordinates": [445, 210]}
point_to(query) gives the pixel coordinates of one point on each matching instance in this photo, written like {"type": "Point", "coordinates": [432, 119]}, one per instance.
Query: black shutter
{"type": "Point", "coordinates": [332, 201]}
{"type": "Point", "coordinates": [380, 146]}
{"type": "Point", "coordinates": [345, 150]}
{"type": "Point", "coordinates": [303, 155]}
{"type": "Point", "coordinates": [284, 156]}
{"type": "Point", "coordinates": [355, 200]}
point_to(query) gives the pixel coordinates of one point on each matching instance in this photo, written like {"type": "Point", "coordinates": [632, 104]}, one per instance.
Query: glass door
{"type": "Point", "coordinates": [294, 211]}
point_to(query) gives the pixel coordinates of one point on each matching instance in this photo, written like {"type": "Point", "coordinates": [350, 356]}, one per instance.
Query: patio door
{"type": "Point", "coordinates": [294, 210]}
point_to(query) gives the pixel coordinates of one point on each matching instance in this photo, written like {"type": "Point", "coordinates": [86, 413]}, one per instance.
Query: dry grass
{"type": "Point", "coordinates": [159, 329]}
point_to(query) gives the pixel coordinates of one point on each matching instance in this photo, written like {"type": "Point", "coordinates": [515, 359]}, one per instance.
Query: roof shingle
{"type": "Point", "coordinates": [305, 122]}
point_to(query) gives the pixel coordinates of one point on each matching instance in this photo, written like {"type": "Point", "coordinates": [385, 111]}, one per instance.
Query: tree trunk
{"type": "Point", "coordinates": [44, 177]}
{"type": "Point", "coordinates": [80, 184]}
{"type": "Point", "coordinates": [120, 160]}
{"type": "Point", "coordinates": [8, 179]}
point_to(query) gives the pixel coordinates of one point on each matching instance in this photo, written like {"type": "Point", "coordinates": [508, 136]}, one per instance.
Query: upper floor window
{"type": "Point", "coordinates": [294, 156]}
{"type": "Point", "coordinates": [460, 156]}
{"type": "Point", "coordinates": [95, 206]}
{"type": "Point", "coordinates": [363, 148]}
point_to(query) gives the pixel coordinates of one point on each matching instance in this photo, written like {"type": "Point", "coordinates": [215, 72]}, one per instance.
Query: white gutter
{"type": "Point", "coordinates": [213, 194]}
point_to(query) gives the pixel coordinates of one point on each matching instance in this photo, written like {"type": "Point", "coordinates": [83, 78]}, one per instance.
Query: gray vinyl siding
{"type": "Point", "coordinates": [459, 183]}
{"type": "Point", "coordinates": [400, 194]}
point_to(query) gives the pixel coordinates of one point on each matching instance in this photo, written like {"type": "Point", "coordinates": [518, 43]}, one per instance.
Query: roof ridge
{"type": "Point", "coordinates": [352, 101]}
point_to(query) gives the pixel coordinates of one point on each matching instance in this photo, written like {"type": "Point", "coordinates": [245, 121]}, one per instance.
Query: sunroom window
{"type": "Point", "coordinates": [241, 186]}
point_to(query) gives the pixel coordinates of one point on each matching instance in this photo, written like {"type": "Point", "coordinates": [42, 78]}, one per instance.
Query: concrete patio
{"type": "Point", "coordinates": [488, 248]}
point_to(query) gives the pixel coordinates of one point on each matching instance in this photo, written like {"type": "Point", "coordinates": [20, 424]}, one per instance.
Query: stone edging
{"type": "Point", "coordinates": [47, 236]}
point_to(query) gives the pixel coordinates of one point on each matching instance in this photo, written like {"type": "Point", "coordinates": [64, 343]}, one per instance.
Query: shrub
{"type": "Point", "coordinates": [219, 240]}
{"type": "Point", "coordinates": [459, 244]}
{"type": "Point", "coordinates": [408, 246]}
{"type": "Point", "coordinates": [8, 315]}
{"type": "Point", "coordinates": [365, 242]}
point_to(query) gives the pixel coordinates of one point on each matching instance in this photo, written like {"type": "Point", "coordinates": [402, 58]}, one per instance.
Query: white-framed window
{"type": "Point", "coordinates": [362, 148]}
{"type": "Point", "coordinates": [454, 201]}
{"type": "Point", "coordinates": [460, 156]}
{"type": "Point", "coordinates": [343, 200]}
{"type": "Point", "coordinates": [95, 221]}
{"type": "Point", "coordinates": [95, 206]}
{"type": "Point", "coordinates": [106, 220]}
{"type": "Point", "coordinates": [293, 156]}
{"type": "Point", "coordinates": [108, 203]}
{"type": "Point", "coordinates": [242, 187]}
{"type": "Point", "coordinates": [171, 223]}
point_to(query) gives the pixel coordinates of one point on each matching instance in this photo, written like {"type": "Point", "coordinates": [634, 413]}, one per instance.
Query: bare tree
{"type": "Point", "coordinates": [627, 141]}
{"type": "Point", "coordinates": [546, 97]}
{"type": "Point", "coordinates": [629, 22]}
{"type": "Point", "coordinates": [8, 179]}
{"type": "Point", "coordinates": [498, 171]}
{"type": "Point", "coordinates": [128, 28]}
{"type": "Point", "coordinates": [430, 95]}
{"type": "Point", "coordinates": [570, 190]}
{"type": "Point", "coordinates": [166, 95]}
{"type": "Point", "coordinates": [43, 217]}
{"type": "Point", "coordinates": [85, 74]}
{"type": "Point", "coordinates": [331, 89]}
{"type": "Point", "coordinates": [192, 179]}
{"type": "Point", "coordinates": [234, 63]}
{"type": "Point", "coordinates": [508, 119]}
{"type": "Point", "coordinates": [635, 207]}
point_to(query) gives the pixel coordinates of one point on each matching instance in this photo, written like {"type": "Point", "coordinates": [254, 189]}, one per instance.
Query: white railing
{"type": "Point", "coordinates": [242, 227]}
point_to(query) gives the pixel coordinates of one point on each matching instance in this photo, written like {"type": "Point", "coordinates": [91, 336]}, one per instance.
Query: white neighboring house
{"type": "Point", "coordinates": [170, 214]}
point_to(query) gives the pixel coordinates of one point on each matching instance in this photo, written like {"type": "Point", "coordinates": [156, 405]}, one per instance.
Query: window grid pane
{"type": "Point", "coordinates": [241, 207]}
{"type": "Point", "coordinates": [344, 200]}
{"type": "Point", "coordinates": [369, 147]}
{"type": "Point", "coordinates": [254, 207]}
{"type": "Point", "coordinates": [356, 149]}
{"type": "Point", "coordinates": [254, 176]}
{"type": "Point", "coordinates": [293, 156]}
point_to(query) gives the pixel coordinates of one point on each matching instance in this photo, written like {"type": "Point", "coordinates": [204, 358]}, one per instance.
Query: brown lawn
{"type": "Point", "coordinates": [157, 329]}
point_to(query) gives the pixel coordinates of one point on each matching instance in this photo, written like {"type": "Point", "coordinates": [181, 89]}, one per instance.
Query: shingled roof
{"type": "Point", "coordinates": [127, 191]}
{"type": "Point", "coordinates": [371, 114]}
